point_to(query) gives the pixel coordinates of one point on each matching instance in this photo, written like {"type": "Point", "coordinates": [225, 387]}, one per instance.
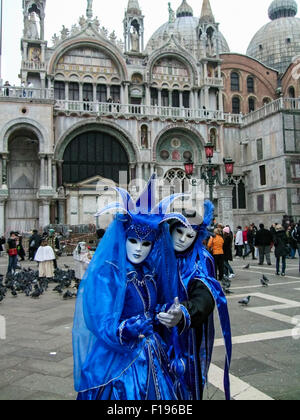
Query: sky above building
{"type": "Point", "coordinates": [239, 21]}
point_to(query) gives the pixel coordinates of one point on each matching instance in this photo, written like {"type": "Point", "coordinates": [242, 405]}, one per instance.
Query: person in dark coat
{"type": "Point", "coordinates": [263, 241]}
{"type": "Point", "coordinates": [2, 242]}
{"type": "Point", "coordinates": [20, 248]}
{"type": "Point", "coordinates": [227, 248]}
{"type": "Point", "coordinates": [281, 249]}
{"type": "Point", "coordinates": [12, 253]}
{"type": "Point", "coordinates": [34, 244]}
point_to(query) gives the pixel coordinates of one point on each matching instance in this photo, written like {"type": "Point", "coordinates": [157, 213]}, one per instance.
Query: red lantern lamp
{"type": "Point", "coordinates": [189, 167]}
{"type": "Point", "coordinates": [229, 166]}
{"type": "Point", "coordinates": [209, 150]}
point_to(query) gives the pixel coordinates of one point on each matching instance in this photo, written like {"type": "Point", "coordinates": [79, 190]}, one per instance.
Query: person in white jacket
{"type": "Point", "coordinates": [82, 257]}
{"type": "Point", "coordinates": [239, 242]}
{"type": "Point", "coordinates": [45, 257]}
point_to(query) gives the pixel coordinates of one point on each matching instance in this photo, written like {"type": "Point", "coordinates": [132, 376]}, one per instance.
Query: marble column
{"type": "Point", "coordinates": [44, 213]}
{"type": "Point", "coordinates": [225, 210]}
{"type": "Point", "coordinates": [61, 211]}
{"type": "Point", "coordinates": [60, 173]}
{"type": "Point", "coordinates": [2, 217]}
{"type": "Point", "coordinates": [42, 172]}
{"type": "Point", "coordinates": [49, 172]}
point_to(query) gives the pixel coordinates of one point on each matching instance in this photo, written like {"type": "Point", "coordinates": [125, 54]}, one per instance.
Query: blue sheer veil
{"type": "Point", "coordinates": [99, 358]}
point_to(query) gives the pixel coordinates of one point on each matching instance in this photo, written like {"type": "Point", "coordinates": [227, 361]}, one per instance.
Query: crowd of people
{"type": "Point", "coordinates": [259, 242]}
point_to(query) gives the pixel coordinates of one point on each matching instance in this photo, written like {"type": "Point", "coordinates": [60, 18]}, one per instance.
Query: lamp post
{"type": "Point", "coordinates": [210, 174]}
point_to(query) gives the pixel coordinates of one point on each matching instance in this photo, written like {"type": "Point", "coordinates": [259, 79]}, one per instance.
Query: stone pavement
{"type": "Point", "coordinates": [36, 356]}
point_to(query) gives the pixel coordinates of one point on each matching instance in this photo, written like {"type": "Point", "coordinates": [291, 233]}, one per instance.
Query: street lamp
{"type": "Point", "coordinates": [210, 174]}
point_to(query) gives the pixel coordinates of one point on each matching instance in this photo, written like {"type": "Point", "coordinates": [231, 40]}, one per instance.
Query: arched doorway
{"type": "Point", "coordinates": [23, 177]}
{"type": "Point", "coordinates": [94, 153]}
{"type": "Point", "coordinates": [89, 157]}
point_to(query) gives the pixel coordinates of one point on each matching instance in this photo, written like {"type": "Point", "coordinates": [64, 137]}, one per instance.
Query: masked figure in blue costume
{"type": "Point", "coordinates": [199, 293]}
{"type": "Point", "coordinates": [118, 355]}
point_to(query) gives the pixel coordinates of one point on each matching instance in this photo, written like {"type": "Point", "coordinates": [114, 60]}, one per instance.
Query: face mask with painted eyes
{"type": "Point", "coordinates": [183, 238]}
{"type": "Point", "coordinates": [137, 251]}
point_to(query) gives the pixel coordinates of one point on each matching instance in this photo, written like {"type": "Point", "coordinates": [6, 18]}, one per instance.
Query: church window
{"type": "Point", "coordinates": [250, 84]}
{"type": "Point", "coordinates": [186, 99]}
{"type": "Point", "coordinates": [74, 91]}
{"type": "Point", "coordinates": [251, 104]}
{"type": "Point", "coordinates": [115, 92]}
{"type": "Point", "coordinates": [88, 91]}
{"type": "Point", "coordinates": [236, 105]}
{"type": "Point", "coordinates": [59, 90]}
{"type": "Point", "coordinates": [165, 97]}
{"type": "Point", "coordinates": [101, 93]}
{"type": "Point", "coordinates": [175, 99]}
{"type": "Point", "coordinates": [235, 82]}
{"type": "Point", "coordinates": [259, 148]}
{"type": "Point", "coordinates": [154, 97]}
{"type": "Point", "coordinates": [262, 175]}
{"type": "Point", "coordinates": [260, 203]}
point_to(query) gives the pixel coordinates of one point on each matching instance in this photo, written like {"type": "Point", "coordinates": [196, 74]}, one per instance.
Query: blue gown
{"type": "Point", "coordinates": [147, 377]}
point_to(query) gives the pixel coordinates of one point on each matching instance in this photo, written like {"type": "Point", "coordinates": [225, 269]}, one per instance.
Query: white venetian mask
{"type": "Point", "coordinates": [137, 250]}
{"type": "Point", "coordinates": [183, 238]}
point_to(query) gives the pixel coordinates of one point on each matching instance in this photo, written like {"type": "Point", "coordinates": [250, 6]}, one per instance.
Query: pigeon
{"type": "Point", "coordinates": [264, 283]}
{"type": "Point", "coordinates": [266, 280]}
{"type": "Point", "coordinates": [68, 295]}
{"type": "Point", "coordinates": [14, 293]}
{"type": "Point", "coordinates": [246, 267]}
{"type": "Point", "coordinates": [245, 301]}
{"type": "Point", "coordinates": [36, 294]}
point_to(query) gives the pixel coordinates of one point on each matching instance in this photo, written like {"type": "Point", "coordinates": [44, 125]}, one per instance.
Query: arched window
{"type": "Point", "coordinates": [292, 92]}
{"type": "Point", "coordinates": [235, 82]}
{"type": "Point", "coordinates": [74, 91]}
{"type": "Point", "coordinates": [175, 98]}
{"type": "Point", "coordinates": [59, 90]}
{"type": "Point", "coordinates": [165, 97]}
{"type": "Point", "coordinates": [101, 93]}
{"type": "Point", "coordinates": [87, 91]}
{"type": "Point", "coordinates": [115, 92]}
{"type": "Point", "coordinates": [251, 104]}
{"type": "Point", "coordinates": [186, 99]}
{"type": "Point", "coordinates": [250, 84]}
{"type": "Point", "coordinates": [236, 105]}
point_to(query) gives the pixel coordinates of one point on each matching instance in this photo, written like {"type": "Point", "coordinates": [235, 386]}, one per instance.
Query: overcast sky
{"type": "Point", "coordinates": [239, 21]}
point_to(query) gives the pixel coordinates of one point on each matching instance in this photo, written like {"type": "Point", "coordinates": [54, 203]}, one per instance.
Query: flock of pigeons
{"type": "Point", "coordinates": [27, 282]}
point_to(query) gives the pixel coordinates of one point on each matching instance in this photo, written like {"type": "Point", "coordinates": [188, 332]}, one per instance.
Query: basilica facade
{"type": "Point", "coordinates": [93, 110]}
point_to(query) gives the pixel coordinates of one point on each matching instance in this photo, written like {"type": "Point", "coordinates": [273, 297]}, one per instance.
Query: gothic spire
{"type": "Point", "coordinates": [134, 7]}
{"type": "Point", "coordinates": [206, 13]}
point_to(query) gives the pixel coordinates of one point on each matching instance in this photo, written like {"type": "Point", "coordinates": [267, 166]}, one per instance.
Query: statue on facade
{"type": "Point", "coordinates": [30, 27]}
{"type": "Point", "coordinates": [171, 14]}
{"type": "Point", "coordinates": [135, 41]}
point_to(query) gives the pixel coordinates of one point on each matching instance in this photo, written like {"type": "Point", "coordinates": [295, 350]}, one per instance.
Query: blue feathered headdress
{"type": "Point", "coordinates": [143, 218]}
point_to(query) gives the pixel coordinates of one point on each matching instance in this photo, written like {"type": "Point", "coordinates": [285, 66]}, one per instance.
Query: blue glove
{"type": "Point", "coordinates": [134, 329]}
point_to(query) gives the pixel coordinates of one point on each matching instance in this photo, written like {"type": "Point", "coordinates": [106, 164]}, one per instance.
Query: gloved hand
{"type": "Point", "coordinates": [134, 329]}
{"type": "Point", "coordinates": [172, 317]}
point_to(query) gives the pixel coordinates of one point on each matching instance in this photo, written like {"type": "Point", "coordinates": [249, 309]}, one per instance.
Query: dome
{"type": "Point", "coordinates": [282, 8]}
{"type": "Point", "coordinates": [277, 42]}
{"type": "Point", "coordinates": [184, 29]}
{"type": "Point", "coordinates": [184, 10]}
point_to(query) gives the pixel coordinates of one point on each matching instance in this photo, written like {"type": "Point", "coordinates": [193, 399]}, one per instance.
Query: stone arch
{"type": "Point", "coordinates": [109, 49]}
{"type": "Point", "coordinates": [184, 58]}
{"type": "Point", "coordinates": [27, 124]}
{"type": "Point", "coordinates": [107, 127]}
{"type": "Point", "coordinates": [194, 138]}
